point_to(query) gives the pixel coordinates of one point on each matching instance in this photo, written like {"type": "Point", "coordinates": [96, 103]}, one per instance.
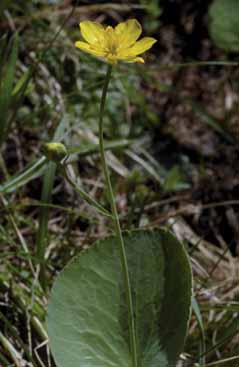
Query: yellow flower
{"type": "Point", "coordinates": [113, 44]}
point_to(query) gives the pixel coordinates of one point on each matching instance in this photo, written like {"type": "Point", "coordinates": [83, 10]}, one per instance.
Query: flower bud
{"type": "Point", "coordinates": [54, 151]}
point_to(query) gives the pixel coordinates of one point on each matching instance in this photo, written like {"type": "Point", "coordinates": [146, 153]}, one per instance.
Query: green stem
{"type": "Point", "coordinates": [116, 222]}
{"type": "Point", "coordinates": [42, 233]}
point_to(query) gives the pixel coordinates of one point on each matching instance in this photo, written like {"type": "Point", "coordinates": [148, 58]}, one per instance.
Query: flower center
{"type": "Point", "coordinates": [112, 42]}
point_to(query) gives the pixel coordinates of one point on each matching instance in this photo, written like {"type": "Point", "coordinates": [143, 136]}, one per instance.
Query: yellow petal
{"type": "Point", "coordinates": [128, 32]}
{"type": "Point", "coordinates": [139, 47]}
{"type": "Point", "coordinates": [90, 49]}
{"type": "Point", "coordinates": [130, 59]}
{"type": "Point", "coordinates": [91, 31]}
{"type": "Point", "coordinates": [136, 59]}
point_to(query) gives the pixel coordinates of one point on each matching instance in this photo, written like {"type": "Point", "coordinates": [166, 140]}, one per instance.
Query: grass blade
{"type": "Point", "coordinates": [197, 312]}
{"type": "Point", "coordinates": [91, 148]}
{"type": "Point", "coordinates": [30, 172]}
{"type": "Point", "coordinates": [6, 88]}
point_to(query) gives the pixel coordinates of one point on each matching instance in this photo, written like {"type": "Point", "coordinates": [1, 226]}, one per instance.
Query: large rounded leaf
{"type": "Point", "coordinates": [224, 24]}
{"type": "Point", "coordinates": [87, 314]}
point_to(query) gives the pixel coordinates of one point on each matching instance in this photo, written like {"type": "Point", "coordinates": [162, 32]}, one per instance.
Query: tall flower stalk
{"type": "Point", "coordinates": [116, 222]}
{"type": "Point", "coordinates": [113, 45]}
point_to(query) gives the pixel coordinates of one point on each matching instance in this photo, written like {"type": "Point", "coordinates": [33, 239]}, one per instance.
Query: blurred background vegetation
{"type": "Point", "coordinates": [172, 129]}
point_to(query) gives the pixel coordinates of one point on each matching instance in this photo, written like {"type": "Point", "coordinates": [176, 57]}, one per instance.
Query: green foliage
{"type": "Point", "coordinates": [153, 11]}
{"type": "Point", "coordinates": [87, 315]}
{"type": "Point", "coordinates": [175, 180]}
{"type": "Point", "coordinates": [224, 24]}
{"type": "Point", "coordinates": [6, 87]}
